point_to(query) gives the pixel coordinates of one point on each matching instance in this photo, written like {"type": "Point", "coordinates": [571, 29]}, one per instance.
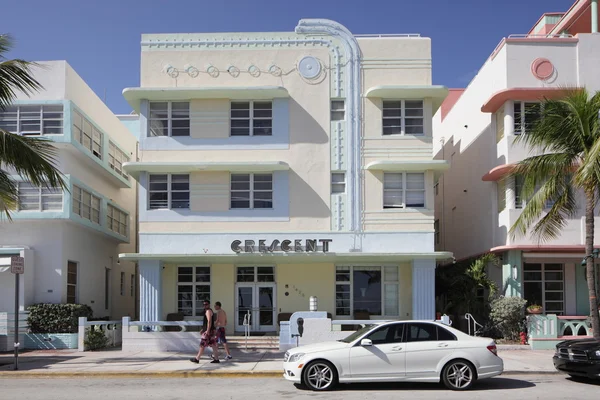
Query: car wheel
{"type": "Point", "coordinates": [319, 375]}
{"type": "Point", "coordinates": [458, 375]}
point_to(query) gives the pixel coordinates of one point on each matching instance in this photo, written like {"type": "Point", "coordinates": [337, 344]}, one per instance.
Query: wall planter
{"type": "Point", "coordinates": [51, 341]}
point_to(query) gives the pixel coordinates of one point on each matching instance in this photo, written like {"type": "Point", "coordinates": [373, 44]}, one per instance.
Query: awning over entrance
{"type": "Point", "coordinates": [287, 257]}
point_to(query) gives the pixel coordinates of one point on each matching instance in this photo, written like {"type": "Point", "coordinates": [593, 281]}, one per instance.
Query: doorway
{"type": "Point", "coordinates": [255, 299]}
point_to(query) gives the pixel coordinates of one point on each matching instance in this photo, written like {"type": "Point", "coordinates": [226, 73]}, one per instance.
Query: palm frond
{"type": "Point", "coordinates": [15, 75]}
{"type": "Point", "coordinates": [9, 197]}
{"type": "Point", "coordinates": [32, 158]}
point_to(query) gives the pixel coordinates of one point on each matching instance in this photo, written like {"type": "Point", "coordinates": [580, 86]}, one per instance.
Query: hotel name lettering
{"type": "Point", "coordinates": [287, 246]}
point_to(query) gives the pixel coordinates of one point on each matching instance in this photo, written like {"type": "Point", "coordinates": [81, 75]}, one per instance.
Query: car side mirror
{"type": "Point", "coordinates": [366, 342]}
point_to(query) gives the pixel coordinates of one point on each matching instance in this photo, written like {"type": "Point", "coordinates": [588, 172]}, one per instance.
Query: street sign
{"type": "Point", "coordinates": [17, 265]}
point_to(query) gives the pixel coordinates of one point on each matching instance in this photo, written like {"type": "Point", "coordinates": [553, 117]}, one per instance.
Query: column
{"type": "Point", "coordinates": [511, 274]}
{"type": "Point", "coordinates": [594, 16]}
{"type": "Point", "coordinates": [509, 118]}
{"type": "Point", "coordinates": [150, 290]}
{"type": "Point", "coordinates": [423, 289]}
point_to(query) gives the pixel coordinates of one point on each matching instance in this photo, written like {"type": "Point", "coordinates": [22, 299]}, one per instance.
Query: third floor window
{"type": "Point", "coordinates": [169, 118]}
{"type": "Point", "coordinates": [403, 190]}
{"type": "Point", "coordinates": [33, 120]}
{"type": "Point", "coordinates": [403, 117]}
{"type": "Point", "coordinates": [251, 118]}
{"type": "Point", "coordinates": [526, 115]}
{"type": "Point", "coordinates": [87, 134]}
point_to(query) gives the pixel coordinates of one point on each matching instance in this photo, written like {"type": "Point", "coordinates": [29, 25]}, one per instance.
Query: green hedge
{"type": "Point", "coordinates": [56, 318]}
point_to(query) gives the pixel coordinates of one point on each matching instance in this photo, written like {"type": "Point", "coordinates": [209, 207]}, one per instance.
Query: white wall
{"type": "Point", "coordinates": [52, 76]}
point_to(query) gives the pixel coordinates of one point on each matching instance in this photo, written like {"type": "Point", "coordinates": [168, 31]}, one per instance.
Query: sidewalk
{"type": "Point", "coordinates": [68, 363]}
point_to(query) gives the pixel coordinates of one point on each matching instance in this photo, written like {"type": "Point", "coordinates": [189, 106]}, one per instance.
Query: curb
{"type": "Point", "coordinates": [189, 374]}
{"type": "Point", "coordinates": [147, 374]}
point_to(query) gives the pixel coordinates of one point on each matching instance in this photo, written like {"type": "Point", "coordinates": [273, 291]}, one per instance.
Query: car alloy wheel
{"type": "Point", "coordinates": [458, 375]}
{"type": "Point", "coordinates": [319, 375]}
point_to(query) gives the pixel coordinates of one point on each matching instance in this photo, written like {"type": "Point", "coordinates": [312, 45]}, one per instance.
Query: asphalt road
{"type": "Point", "coordinates": [512, 387]}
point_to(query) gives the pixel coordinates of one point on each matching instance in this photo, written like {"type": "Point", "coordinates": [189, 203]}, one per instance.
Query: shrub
{"type": "Point", "coordinates": [508, 314]}
{"type": "Point", "coordinates": [56, 318]}
{"type": "Point", "coordinates": [95, 339]}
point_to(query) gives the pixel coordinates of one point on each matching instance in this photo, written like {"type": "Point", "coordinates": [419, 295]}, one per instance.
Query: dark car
{"type": "Point", "coordinates": [578, 358]}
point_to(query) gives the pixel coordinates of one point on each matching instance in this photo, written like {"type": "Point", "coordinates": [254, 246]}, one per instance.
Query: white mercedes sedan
{"type": "Point", "coordinates": [409, 351]}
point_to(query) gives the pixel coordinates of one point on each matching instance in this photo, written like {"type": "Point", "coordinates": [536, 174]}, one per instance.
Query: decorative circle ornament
{"type": "Point", "coordinates": [212, 71]}
{"type": "Point", "coordinates": [192, 71]}
{"type": "Point", "coordinates": [275, 70]}
{"type": "Point", "coordinates": [171, 71]}
{"type": "Point", "coordinates": [542, 68]}
{"type": "Point", "coordinates": [309, 67]}
{"type": "Point", "coordinates": [233, 71]}
{"type": "Point", "coordinates": [254, 71]}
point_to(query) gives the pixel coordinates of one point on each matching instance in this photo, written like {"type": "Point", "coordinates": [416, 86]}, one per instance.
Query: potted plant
{"type": "Point", "coordinates": [534, 309]}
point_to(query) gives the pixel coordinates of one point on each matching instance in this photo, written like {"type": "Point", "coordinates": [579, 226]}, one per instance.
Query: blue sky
{"type": "Point", "coordinates": [100, 38]}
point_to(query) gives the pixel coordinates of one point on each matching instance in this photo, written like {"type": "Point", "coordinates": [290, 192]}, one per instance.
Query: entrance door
{"type": "Point", "coordinates": [255, 305]}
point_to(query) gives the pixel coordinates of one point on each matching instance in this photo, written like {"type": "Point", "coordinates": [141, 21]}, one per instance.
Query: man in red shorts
{"type": "Point", "coordinates": [221, 324]}
{"type": "Point", "coordinates": [207, 335]}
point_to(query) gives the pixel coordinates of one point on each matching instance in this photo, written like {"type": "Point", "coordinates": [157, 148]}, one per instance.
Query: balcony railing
{"type": "Point", "coordinates": [532, 36]}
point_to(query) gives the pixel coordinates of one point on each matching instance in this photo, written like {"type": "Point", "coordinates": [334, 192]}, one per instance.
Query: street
{"type": "Point", "coordinates": [514, 387]}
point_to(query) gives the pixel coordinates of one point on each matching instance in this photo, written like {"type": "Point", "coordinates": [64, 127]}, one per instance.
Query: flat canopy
{"type": "Point", "coordinates": [134, 168]}
{"type": "Point", "coordinates": [135, 95]}
{"type": "Point", "coordinates": [436, 93]}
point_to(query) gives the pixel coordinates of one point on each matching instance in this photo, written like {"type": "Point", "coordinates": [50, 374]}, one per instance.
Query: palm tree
{"type": "Point", "coordinates": [477, 272]}
{"type": "Point", "coordinates": [567, 134]}
{"type": "Point", "coordinates": [32, 158]}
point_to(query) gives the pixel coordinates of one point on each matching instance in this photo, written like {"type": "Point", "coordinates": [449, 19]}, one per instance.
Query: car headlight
{"type": "Point", "coordinates": [296, 357]}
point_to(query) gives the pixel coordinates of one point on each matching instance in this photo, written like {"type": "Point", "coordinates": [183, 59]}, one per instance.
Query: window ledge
{"type": "Point", "coordinates": [135, 168]}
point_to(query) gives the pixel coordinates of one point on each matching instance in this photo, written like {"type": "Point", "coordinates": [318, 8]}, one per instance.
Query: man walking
{"type": "Point", "coordinates": [221, 324]}
{"type": "Point", "coordinates": [207, 335]}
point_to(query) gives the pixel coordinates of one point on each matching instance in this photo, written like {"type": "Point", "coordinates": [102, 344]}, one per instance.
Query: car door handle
{"type": "Point", "coordinates": [397, 348]}
{"type": "Point", "coordinates": [443, 345]}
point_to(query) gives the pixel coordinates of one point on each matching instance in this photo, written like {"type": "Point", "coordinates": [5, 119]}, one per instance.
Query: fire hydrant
{"type": "Point", "coordinates": [523, 338]}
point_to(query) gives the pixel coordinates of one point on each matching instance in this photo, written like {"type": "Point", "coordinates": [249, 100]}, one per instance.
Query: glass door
{"type": "Point", "coordinates": [244, 306]}
{"type": "Point", "coordinates": [265, 312]}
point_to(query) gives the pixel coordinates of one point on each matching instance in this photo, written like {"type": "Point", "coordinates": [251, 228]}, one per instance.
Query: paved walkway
{"type": "Point", "coordinates": [169, 364]}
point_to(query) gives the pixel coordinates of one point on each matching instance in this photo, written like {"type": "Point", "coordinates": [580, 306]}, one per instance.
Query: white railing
{"type": "Point", "coordinates": [382, 35]}
{"type": "Point", "coordinates": [527, 36]}
{"type": "Point", "coordinates": [471, 321]}
{"type": "Point", "coordinates": [113, 330]}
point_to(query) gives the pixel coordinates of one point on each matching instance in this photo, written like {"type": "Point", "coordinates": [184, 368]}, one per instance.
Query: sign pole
{"type": "Point", "coordinates": [17, 276]}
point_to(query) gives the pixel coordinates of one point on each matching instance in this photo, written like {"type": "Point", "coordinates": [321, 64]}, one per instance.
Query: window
{"type": "Point", "coordinates": [338, 110]}
{"type": "Point", "coordinates": [403, 117]}
{"type": "Point", "coordinates": [387, 334]}
{"type": "Point", "coordinates": [436, 229]}
{"type": "Point", "coordinates": [193, 287]}
{"type": "Point", "coordinates": [255, 274]}
{"type": "Point", "coordinates": [520, 201]}
{"type": "Point", "coordinates": [526, 115]}
{"type": "Point", "coordinates": [33, 120]}
{"type": "Point", "coordinates": [251, 191]}
{"type": "Point", "coordinates": [132, 285]}
{"type": "Point", "coordinates": [169, 118]}
{"type": "Point", "coordinates": [444, 334]}
{"type": "Point", "coordinates": [116, 158]}
{"type": "Point", "coordinates": [106, 288]}
{"type": "Point", "coordinates": [422, 333]}
{"type": "Point", "coordinates": [436, 187]}
{"type": "Point", "coordinates": [87, 134]}
{"type": "Point", "coordinates": [169, 191]}
{"type": "Point", "coordinates": [86, 205]}
{"type": "Point", "coordinates": [251, 118]}
{"type": "Point", "coordinates": [403, 190]}
{"type": "Point", "coordinates": [71, 282]}
{"type": "Point", "coordinates": [372, 290]}
{"type": "Point", "coordinates": [338, 182]}
{"type": "Point", "coordinates": [33, 198]}
{"type": "Point", "coordinates": [122, 283]}
{"type": "Point", "coordinates": [116, 220]}
{"type": "Point", "coordinates": [543, 284]}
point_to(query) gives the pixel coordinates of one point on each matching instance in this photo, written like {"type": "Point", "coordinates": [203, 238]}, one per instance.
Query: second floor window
{"type": "Point", "coordinates": [169, 191]}
{"type": "Point", "coordinates": [33, 198]}
{"type": "Point", "coordinates": [33, 120]}
{"type": "Point", "coordinates": [403, 190]}
{"type": "Point", "coordinates": [526, 115]}
{"type": "Point", "coordinates": [86, 205]}
{"type": "Point", "coordinates": [251, 191]}
{"type": "Point", "coordinates": [87, 134]}
{"type": "Point", "coordinates": [116, 158]}
{"type": "Point", "coordinates": [251, 118]}
{"type": "Point", "coordinates": [169, 118]}
{"type": "Point", "coordinates": [403, 117]}
{"type": "Point", "coordinates": [116, 220]}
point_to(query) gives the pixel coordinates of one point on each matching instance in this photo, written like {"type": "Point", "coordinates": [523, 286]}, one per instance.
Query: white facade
{"type": "Point", "coordinates": [71, 239]}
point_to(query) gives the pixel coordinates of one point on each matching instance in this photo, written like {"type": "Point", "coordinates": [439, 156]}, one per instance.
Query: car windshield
{"type": "Point", "coordinates": [357, 334]}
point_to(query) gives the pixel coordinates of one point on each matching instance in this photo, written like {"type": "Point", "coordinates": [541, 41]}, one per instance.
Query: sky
{"type": "Point", "coordinates": [100, 39]}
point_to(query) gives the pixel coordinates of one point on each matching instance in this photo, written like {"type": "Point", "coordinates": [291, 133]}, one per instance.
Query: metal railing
{"type": "Point", "coordinates": [470, 319]}
{"type": "Point", "coordinates": [382, 35]}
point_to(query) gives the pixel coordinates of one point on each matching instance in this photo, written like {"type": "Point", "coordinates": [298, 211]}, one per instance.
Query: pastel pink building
{"type": "Point", "coordinates": [475, 130]}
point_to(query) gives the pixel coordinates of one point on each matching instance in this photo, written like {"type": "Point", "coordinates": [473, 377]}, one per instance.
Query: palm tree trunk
{"type": "Point", "coordinates": [589, 261]}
